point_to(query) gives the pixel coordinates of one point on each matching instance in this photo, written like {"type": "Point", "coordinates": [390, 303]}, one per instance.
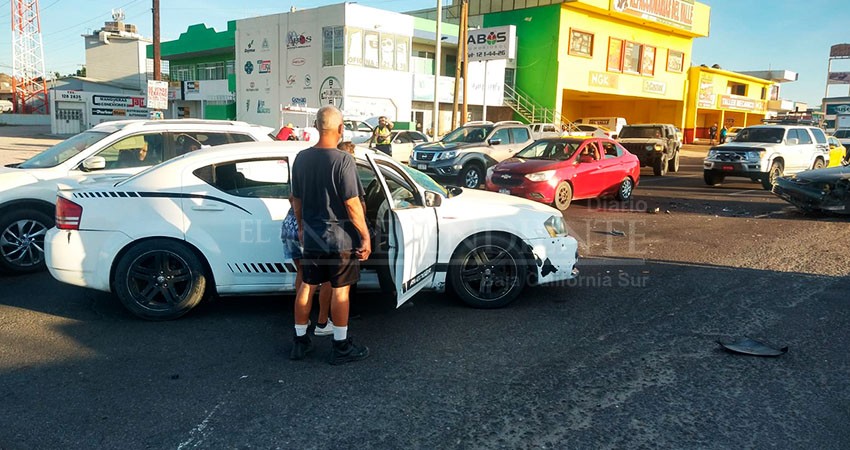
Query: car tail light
{"type": "Point", "coordinates": [68, 214]}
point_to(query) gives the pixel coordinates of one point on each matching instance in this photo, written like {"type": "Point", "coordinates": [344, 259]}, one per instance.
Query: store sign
{"type": "Point", "coordinates": [839, 78]}
{"type": "Point", "coordinates": [118, 101]}
{"type": "Point", "coordinates": [491, 43]}
{"type": "Point", "coordinates": [602, 79]}
{"type": "Point", "coordinates": [837, 108]}
{"type": "Point", "coordinates": [295, 39]}
{"type": "Point", "coordinates": [679, 13]}
{"type": "Point", "coordinates": [743, 103]}
{"type": "Point", "coordinates": [70, 96]}
{"type": "Point", "coordinates": [655, 87]}
{"type": "Point", "coordinates": [839, 51]}
{"type": "Point", "coordinates": [157, 94]}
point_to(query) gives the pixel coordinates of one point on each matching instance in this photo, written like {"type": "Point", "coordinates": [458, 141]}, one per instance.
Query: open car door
{"type": "Point", "coordinates": [412, 230]}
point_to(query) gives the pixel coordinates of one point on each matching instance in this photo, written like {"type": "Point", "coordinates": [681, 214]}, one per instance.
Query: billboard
{"type": "Point", "coordinates": [492, 43]}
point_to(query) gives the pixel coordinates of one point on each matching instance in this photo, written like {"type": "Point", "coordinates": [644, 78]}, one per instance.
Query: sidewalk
{"type": "Point", "coordinates": [18, 143]}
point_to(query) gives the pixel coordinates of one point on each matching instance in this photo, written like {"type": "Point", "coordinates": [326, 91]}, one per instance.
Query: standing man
{"type": "Point", "coordinates": [332, 226]}
{"type": "Point", "coordinates": [381, 136]}
{"type": "Point", "coordinates": [712, 133]}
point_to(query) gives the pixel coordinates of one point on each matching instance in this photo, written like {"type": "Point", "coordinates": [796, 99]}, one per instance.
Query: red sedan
{"type": "Point", "coordinates": [558, 170]}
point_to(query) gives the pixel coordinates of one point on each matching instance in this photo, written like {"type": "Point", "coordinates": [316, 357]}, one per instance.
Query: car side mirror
{"type": "Point", "coordinates": [494, 141]}
{"type": "Point", "coordinates": [433, 199]}
{"type": "Point", "coordinates": [94, 163]}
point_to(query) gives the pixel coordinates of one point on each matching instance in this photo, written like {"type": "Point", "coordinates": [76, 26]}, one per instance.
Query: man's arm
{"type": "Point", "coordinates": [295, 204]}
{"type": "Point", "coordinates": [358, 217]}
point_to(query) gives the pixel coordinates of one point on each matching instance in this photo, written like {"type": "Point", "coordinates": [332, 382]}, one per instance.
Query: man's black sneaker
{"type": "Point", "coordinates": [300, 347]}
{"type": "Point", "coordinates": [347, 351]}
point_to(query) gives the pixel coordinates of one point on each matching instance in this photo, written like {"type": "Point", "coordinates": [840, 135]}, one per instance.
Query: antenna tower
{"type": "Point", "coordinates": [30, 81]}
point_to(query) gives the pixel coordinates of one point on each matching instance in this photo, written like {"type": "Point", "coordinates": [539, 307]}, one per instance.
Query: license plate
{"type": "Point", "coordinates": [422, 166]}
{"type": "Point", "coordinates": [505, 191]}
{"type": "Point", "coordinates": [728, 168]}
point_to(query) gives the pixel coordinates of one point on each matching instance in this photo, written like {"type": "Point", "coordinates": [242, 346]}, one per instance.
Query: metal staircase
{"type": "Point", "coordinates": [530, 110]}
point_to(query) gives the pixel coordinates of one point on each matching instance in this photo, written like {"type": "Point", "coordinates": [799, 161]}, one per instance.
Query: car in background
{"type": "Point", "coordinates": [403, 142]}
{"type": "Point", "coordinates": [843, 136]}
{"type": "Point", "coordinates": [656, 145]}
{"type": "Point", "coordinates": [6, 106]}
{"type": "Point", "coordinates": [463, 155]}
{"type": "Point", "coordinates": [822, 190]}
{"type": "Point", "coordinates": [544, 130]}
{"type": "Point", "coordinates": [558, 171]}
{"type": "Point", "coordinates": [208, 223]}
{"type": "Point", "coordinates": [109, 151]}
{"type": "Point", "coordinates": [731, 132]}
{"type": "Point", "coordinates": [578, 129]}
{"type": "Point", "coordinates": [838, 154]}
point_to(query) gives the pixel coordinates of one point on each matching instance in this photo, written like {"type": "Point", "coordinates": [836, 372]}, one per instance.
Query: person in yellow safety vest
{"type": "Point", "coordinates": [381, 136]}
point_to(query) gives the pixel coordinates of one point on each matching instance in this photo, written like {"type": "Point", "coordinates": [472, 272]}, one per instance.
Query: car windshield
{"type": "Point", "coordinates": [843, 133]}
{"type": "Point", "coordinates": [641, 132]}
{"type": "Point", "coordinates": [556, 150]}
{"type": "Point", "coordinates": [63, 151]}
{"type": "Point", "coordinates": [425, 181]}
{"type": "Point", "coordinates": [468, 134]}
{"type": "Point", "coordinates": [766, 135]}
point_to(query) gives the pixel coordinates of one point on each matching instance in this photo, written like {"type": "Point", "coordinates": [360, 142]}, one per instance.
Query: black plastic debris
{"type": "Point", "coordinates": [618, 233]}
{"type": "Point", "coordinates": [749, 346]}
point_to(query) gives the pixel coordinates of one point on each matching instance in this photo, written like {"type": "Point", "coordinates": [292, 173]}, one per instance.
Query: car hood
{"type": "Point", "coordinates": [11, 178]}
{"type": "Point", "coordinates": [524, 166]}
{"type": "Point", "coordinates": [442, 146]}
{"type": "Point", "coordinates": [483, 204]}
{"type": "Point", "coordinates": [825, 175]}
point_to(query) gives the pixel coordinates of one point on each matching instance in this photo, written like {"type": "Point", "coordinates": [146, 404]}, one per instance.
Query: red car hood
{"type": "Point", "coordinates": [525, 166]}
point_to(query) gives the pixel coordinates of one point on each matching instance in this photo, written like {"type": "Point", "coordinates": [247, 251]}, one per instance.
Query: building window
{"type": "Point", "coordinates": [631, 57]}
{"type": "Point", "coordinates": [354, 43]}
{"type": "Point", "coordinates": [423, 63]}
{"type": "Point", "coordinates": [675, 61]}
{"type": "Point", "coordinates": [183, 72]}
{"type": "Point", "coordinates": [647, 62]}
{"type": "Point", "coordinates": [736, 88]}
{"type": "Point", "coordinates": [387, 51]}
{"type": "Point", "coordinates": [211, 71]}
{"type": "Point", "coordinates": [764, 93]}
{"type": "Point", "coordinates": [581, 43]}
{"type": "Point", "coordinates": [371, 50]}
{"type": "Point", "coordinates": [615, 55]}
{"type": "Point", "coordinates": [510, 77]}
{"type": "Point", "coordinates": [333, 45]}
{"type": "Point", "coordinates": [450, 65]}
{"type": "Point", "coordinates": [402, 46]}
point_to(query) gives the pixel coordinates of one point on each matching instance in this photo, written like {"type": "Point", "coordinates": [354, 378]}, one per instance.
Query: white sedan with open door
{"type": "Point", "coordinates": [209, 223]}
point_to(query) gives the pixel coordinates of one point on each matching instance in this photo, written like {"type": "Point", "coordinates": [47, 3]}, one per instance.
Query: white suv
{"type": "Point", "coordinates": [765, 152]}
{"type": "Point", "coordinates": [110, 150]}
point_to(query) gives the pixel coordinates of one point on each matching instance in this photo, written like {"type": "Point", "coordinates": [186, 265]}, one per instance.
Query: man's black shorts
{"type": "Point", "coordinates": [340, 269]}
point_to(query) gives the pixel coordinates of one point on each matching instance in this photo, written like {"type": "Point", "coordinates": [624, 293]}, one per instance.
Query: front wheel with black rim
{"type": "Point", "coordinates": [563, 196]}
{"type": "Point", "coordinates": [775, 171]}
{"type": "Point", "coordinates": [673, 164]}
{"type": "Point", "coordinates": [488, 271]}
{"type": "Point", "coordinates": [712, 178]}
{"type": "Point", "coordinates": [471, 176]}
{"type": "Point", "coordinates": [659, 166]}
{"type": "Point", "coordinates": [159, 279]}
{"type": "Point", "coordinates": [624, 193]}
{"type": "Point", "coordinates": [22, 240]}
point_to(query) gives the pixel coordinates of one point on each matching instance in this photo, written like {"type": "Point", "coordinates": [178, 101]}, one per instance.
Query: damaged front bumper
{"type": "Point", "coordinates": [555, 258]}
{"type": "Point", "coordinates": [834, 197]}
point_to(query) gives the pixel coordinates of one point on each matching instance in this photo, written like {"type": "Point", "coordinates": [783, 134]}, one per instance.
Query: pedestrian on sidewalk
{"type": "Point", "coordinates": [712, 133]}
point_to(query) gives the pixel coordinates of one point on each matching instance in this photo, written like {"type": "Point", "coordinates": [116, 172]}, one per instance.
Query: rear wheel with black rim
{"type": "Point", "coordinates": [712, 178]}
{"type": "Point", "coordinates": [488, 271]}
{"type": "Point", "coordinates": [673, 164]}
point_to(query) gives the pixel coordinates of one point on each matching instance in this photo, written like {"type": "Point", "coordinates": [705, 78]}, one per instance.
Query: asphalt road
{"type": "Point", "coordinates": [624, 356]}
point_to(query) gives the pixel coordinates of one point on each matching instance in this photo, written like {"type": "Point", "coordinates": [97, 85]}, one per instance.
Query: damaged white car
{"type": "Point", "coordinates": [209, 223]}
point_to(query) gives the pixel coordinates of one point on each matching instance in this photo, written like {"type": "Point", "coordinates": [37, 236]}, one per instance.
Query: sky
{"type": "Point", "coordinates": [745, 34]}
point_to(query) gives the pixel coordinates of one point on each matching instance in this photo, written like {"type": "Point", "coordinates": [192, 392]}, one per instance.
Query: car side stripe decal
{"type": "Point", "coordinates": [261, 268]}
{"type": "Point", "coordinates": [121, 194]}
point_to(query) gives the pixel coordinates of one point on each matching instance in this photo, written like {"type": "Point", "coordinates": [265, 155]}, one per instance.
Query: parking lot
{"type": "Point", "coordinates": [625, 355]}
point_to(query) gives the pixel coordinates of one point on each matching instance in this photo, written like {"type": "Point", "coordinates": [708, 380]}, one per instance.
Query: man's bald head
{"type": "Point", "coordinates": [328, 118]}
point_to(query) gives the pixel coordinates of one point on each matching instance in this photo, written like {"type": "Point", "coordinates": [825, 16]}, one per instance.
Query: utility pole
{"type": "Point", "coordinates": [461, 62]}
{"type": "Point", "coordinates": [464, 31]}
{"type": "Point", "coordinates": [157, 72]}
{"type": "Point", "coordinates": [435, 119]}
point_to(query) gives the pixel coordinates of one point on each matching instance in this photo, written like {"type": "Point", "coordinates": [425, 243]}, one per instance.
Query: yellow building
{"type": "Point", "coordinates": [722, 97]}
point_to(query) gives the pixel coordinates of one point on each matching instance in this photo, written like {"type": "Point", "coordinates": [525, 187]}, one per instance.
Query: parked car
{"type": "Point", "coordinates": [209, 223]}
{"type": "Point", "coordinates": [544, 130]}
{"type": "Point", "coordinates": [656, 145]}
{"type": "Point", "coordinates": [6, 106]}
{"type": "Point", "coordinates": [838, 154]}
{"type": "Point", "coordinates": [110, 150]}
{"type": "Point", "coordinates": [558, 171]}
{"type": "Point", "coordinates": [766, 152]}
{"type": "Point", "coordinates": [588, 130]}
{"type": "Point", "coordinates": [403, 142]}
{"type": "Point", "coordinates": [817, 190]}
{"type": "Point", "coordinates": [463, 155]}
{"type": "Point", "coordinates": [731, 132]}
{"type": "Point", "coordinates": [843, 136]}
{"type": "Point", "coordinates": [614, 124]}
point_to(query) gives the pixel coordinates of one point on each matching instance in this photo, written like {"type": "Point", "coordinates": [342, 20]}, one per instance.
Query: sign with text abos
{"type": "Point", "coordinates": [491, 43]}
{"type": "Point", "coordinates": [157, 94]}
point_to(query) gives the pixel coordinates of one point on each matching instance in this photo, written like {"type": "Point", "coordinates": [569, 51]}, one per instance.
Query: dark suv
{"type": "Point", "coordinates": [656, 145]}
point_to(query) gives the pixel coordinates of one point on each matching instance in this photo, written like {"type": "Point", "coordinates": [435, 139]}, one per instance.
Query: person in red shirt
{"type": "Point", "coordinates": [286, 133]}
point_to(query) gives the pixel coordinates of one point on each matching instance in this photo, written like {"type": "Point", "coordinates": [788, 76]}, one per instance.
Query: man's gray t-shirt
{"type": "Point", "coordinates": [323, 179]}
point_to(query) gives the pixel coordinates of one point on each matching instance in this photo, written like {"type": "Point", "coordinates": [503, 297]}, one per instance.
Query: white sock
{"type": "Point", "coordinates": [340, 333]}
{"type": "Point", "coordinates": [301, 330]}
